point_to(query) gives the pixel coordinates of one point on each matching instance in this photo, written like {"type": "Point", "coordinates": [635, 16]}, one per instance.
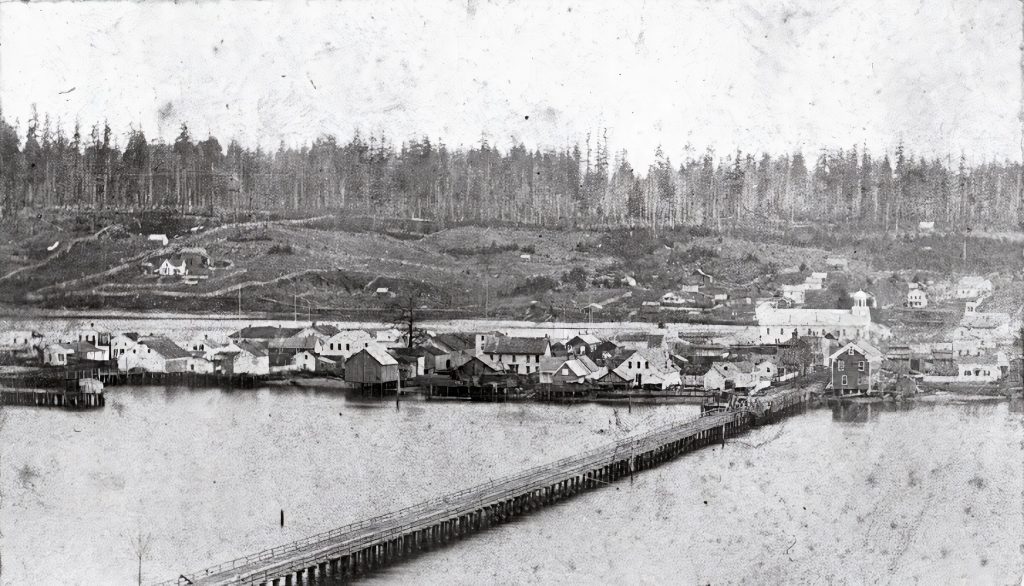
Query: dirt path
{"type": "Point", "coordinates": [61, 250]}
{"type": "Point", "coordinates": [191, 294]}
{"type": "Point", "coordinates": [40, 293]}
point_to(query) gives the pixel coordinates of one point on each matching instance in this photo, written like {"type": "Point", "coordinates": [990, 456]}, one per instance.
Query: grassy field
{"type": "Point", "coordinates": [332, 267]}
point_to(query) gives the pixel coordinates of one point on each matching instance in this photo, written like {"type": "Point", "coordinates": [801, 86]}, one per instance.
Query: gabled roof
{"type": "Point", "coordinates": [60, 349]}
{"type": "Point", "coordinates": [265, 332]}
{"type": "Point", "coordinates": [514, 345]}
{"type": "Point", "coordinates": [586, 361]}
{"type": "Point", "coordinates": [165, 347]}
{"type": "Point", "coordinates": [456, 341]}
{"type": "Point", "coordinates": [326, 329]}
{"type": "Point", "coordinates": [307, 343]}
{"type": "Point", "coordinates": [982, 360]}
{"type": "Point", "coordinates": [650, 355]}
{"type": "Point", "coordinates": [252, 348]}
{"type": "Point", "coordinates": [380, 355]}
{"type": "Point", "coordinates": [651, 339]}
{"type": "Point", "coordinates": [589, 339]}
{"type": "Point", "coordinates": [575, 367]}
{"type": "Point", "coordinates": [349, 335]}
{"type": "Point", "coordinates": [869, 351]}
{"type": "Point", "coordinates": [82, 347]}
{"type": "Point", "coordinates": [731, 369]}
{"type": "Point", "coordinates": [409, 352]}
{"type": "Point", "coordinates": [491, 364]}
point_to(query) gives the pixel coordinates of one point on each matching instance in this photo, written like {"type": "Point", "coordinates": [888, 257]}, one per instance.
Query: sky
{"type": "Point", "coordinates": [942, 75]}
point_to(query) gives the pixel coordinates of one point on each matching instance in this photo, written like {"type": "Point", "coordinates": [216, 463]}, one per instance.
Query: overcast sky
{"type": "Point", "coordinates": [942, 74]}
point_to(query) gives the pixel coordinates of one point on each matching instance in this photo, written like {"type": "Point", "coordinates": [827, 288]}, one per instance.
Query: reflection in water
{"type": "Point", "coordinates": [922, 493]}
{"type": "Point", "coordinates": [207, 472]}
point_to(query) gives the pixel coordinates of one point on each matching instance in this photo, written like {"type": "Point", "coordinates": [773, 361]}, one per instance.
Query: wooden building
{"type": "Point", "coordinates": [371, 366]}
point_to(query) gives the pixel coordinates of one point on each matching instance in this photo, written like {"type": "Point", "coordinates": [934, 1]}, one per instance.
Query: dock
{"type": "Point", "coordinates": [64, 398]}
{"type": "Point", "coordinates": [351, 551]}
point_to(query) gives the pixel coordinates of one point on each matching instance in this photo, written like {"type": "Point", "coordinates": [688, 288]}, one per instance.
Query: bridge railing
{"type": "Point", "coordinates": [274, 552]}
{"type": "Point", "coordinates": [357, 543]}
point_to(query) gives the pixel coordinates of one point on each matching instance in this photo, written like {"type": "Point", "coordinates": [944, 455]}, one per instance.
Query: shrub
{"type": "Point", "coordinates": [577, 276]}
{"type": "Point", "coordinates": [280, 249]}
{"type": "Point", "coordinates": [693, 255]}
{"type": "Point", "coordinates": [535, 285]}
{"type": "Point", "coordinates": [528, 249]}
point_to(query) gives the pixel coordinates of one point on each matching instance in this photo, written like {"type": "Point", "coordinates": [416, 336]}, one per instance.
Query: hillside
{"type": "Point", "coordinates": [329, 266]}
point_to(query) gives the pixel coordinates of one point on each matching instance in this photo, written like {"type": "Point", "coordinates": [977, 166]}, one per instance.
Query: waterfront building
{"type": "Point", "coordinates": [516, 355]}
{"type": "Point", "coordinates": [371, 366]}
{"type": "Point", "coordinates": [855, 368]}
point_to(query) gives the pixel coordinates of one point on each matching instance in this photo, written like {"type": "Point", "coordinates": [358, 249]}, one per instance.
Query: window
{"type": "Point", "coordinates": [860, 366]}
{"type": "Point", "coordinates": [630, 364]}
{"type": "Point", "coordinates": [840, 365]}
{"type": "Point", "coordinates": [565, 372]}
{"type": "Point", "coordinates": [850, 351]}
{"type": "Point", "coordinates": [647, 364]}
{"type": "Point", "coordinates": [845, 381]}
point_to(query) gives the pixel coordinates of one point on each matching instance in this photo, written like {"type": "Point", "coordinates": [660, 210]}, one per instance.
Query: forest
{"type": "Point", "coordinates": [586, 185]}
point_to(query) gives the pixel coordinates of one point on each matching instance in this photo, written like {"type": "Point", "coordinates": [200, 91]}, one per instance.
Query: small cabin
{"type": "Point", "coordinates": [371, 365]}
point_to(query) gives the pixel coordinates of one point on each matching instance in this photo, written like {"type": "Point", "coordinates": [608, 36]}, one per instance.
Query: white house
{"type": "Point", "coordinates": [161, 238]}
{"type": "Point", "coordinates": [795, 293]}
{"type": "Point", "coordinates": [389, 338]}
{"type": "Point", "coordinates": [813, 284]}
{"type": "Point", "coordinates": [917, 298]}
{"type": "Point", "coordinates": [767, 370]}
{"type": "Point", "coordinates": [972, 287]}
{"type": "Point", "coordinates": [346, 343]}
{"type": "Point", "coordinates": [646, 367]}
{"type": "Point", "coordinates": [989, 329]}
{"type": "Point", "coordinates": [926, 227]}
{"type": "Point", "coordinates": [518, 355]}
{"type": "Point", "coordinates": [984, 368]}
{"type": "Point", "coordinates": [241, 357]}
{"type": "Point", "coordinates": [122, 343]}
{"type": "Point", "coordinates": [201, 365]}
{"type": "Point", "coordinates": [156, 354]}
{"type": "Point", "coordinates": [672, 299]}
{"type": "Point", "coordinates": [20, 339]}
{"type": "Point", "coordinates": [57, 355]}
{"type": "Point", "coordinates": [738, 375]}
{"type": "Point", "coordinates": [172, 266]}
{"type": "Point", "coordinates": [206, 342]}
{"type": "Point", "coordinates": [306, 361]}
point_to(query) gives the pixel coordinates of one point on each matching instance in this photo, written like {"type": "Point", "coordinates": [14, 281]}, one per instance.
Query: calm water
{"type": "Point", "coordinates": [207, 472]}
{"type": "Point", "coordinates": [931, 494]}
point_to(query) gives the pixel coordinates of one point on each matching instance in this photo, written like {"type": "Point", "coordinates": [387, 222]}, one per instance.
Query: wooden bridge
{"type": "Point", "coordinates": [350, 551]}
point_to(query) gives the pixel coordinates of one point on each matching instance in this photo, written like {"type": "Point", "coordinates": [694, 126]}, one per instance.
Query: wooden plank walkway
{"type": "Point", "coordinates": [351, 550]}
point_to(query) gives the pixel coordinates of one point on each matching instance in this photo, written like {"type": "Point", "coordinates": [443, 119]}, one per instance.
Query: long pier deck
{"type": "Point", "coordinates": [347, 552]}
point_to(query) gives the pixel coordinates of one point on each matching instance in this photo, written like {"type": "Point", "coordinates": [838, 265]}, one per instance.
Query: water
{"type": "Point", "coordinates": [930, 494]}
{"type": "Point", "coordinates": [208, 472]}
